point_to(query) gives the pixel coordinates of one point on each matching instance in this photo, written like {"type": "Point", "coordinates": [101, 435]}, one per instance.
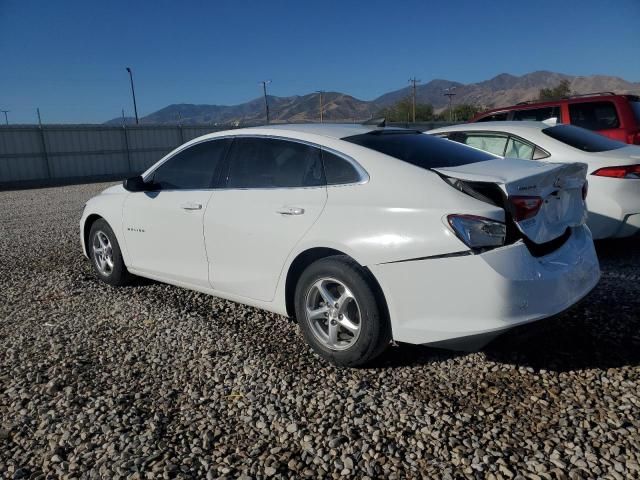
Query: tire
{"type": "Point", "coordinates": [109, 267]}
{"type": "Point", "coordinates": [355, 329]}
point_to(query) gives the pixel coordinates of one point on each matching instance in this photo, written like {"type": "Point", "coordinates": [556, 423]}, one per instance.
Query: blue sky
{"type": "Point", "coordinates": [69, 57]}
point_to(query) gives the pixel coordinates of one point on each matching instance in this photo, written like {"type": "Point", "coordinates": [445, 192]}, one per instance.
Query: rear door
{"type": "Point", "coordinates": [274, 191]}
{"type": "Point", "coordinates": [163, 228]}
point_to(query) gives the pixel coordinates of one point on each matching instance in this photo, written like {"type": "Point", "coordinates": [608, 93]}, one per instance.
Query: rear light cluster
{"type": "Point", "coordinates": [478, 232]}
{"type": "Point", "coordinates": [627, 171]}
{"type": "Point", "coordinates": [524, 207]}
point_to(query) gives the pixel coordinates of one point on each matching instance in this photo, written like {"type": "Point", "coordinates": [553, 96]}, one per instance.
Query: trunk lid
{"type": "Point", "coordinates": [544, 199]}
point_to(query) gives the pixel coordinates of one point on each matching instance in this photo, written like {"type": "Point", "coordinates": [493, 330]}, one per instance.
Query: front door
{"type": "Point", "coordinates": [163, 228]}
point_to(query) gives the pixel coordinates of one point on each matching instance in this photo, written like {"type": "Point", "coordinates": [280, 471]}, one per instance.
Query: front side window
{"type": "Point", "coordinates": [494, 117]}
{"type": "Point", "coordinates": [193, 168]}
{"type": "Point", "coordinates": [537, 114]}
{"type": "Point", "coordinates": [273, 163]}
{"type": "Point", "coordinates": [417, 148]}
{"type": "Point", "coordinates": [594, 115]}
{"type": "Point", "coordinates": [492, 143]}
{"type": "Point", "coordinates": [582, 139]}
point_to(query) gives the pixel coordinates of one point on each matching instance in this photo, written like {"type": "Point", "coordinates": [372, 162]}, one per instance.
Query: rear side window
{"type": "Point", "coordinates": [635, 106]}
{"type": "Point", "coordinates": [537, 114]}
{"type": "Point", "coordinates": [494, 117]}
{"type": "Point", "coordinates": [273, 163]}
{"type": "Point", "coordinates": [582, 139]}
{"type": "Point", "coordinates": [594, 115]}
{"type": "Point", "coordinates": [422, 150]}
{"type": "Point", "coordinates": [518, 149]}
{"type": "Point", "coordinates": [192, 168]}
{"type": "Point", "coordinates": [338, 170]}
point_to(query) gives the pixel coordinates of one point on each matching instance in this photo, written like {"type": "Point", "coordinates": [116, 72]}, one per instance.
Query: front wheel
{"type": "Point", "coordinates": [340, 315]}
{"type": "Point", "coordinates": [106, 255]}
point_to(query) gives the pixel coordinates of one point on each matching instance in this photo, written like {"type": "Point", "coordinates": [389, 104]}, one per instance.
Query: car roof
{"type": "Point", "coordinates": [515, 127]}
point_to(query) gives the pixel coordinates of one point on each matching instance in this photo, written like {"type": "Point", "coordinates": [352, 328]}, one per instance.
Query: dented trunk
{"type": "Point", "coordinates": [542, 199]}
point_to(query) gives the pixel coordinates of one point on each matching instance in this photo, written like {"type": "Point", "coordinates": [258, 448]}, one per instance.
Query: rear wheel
{"type": "Point", "coordinates": [106, 256]}
{"type": "Point", "coordinates": [340, 315]}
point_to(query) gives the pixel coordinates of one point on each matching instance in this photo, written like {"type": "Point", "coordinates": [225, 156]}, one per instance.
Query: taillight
{"type": "Point", "coordinates": [478, 232]}
{"type": "Point", "coordinates": [524, 207]}
{"type": "Point", "coordinates": [627, 171]}
{"type": "Point", "coordinates": [585, 190]}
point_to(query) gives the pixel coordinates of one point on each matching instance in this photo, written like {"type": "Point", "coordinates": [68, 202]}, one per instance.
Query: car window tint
{"type": "Point", "coordinates": [518, 149]}
{"type": "Point", "coordinates": [192, 168]}
{"type": "Point", "coordinates": [497, 117]}
{"type": "Point", "coordinates": [594, 115]}
{"type": "Point", "coordinates": [537, 114]}
{"type": "Point", "coordinates": [582, 139]}
{"type": "Point", "coordinates": [339, 171]}
{"type": "Point", "coordinates": [417, 148]}
{"type": "Point", "coordinates": [488, 142]}
{"type": "Point", "coordinates": [635, 106]}
{"type": "Point", "coordinates": [273, 163]}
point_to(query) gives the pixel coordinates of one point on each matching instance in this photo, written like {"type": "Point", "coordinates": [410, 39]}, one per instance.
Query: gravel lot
{"type": "Point", "coordinates": [152, 381]}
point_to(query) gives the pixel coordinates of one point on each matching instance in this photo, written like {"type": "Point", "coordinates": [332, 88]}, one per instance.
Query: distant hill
{"type": "Point", "coordinates": [501, 90]}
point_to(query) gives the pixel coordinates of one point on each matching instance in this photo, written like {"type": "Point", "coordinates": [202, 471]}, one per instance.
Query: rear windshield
{"type": "Point", "coordinates": [635, 106]}
{"type": "Point", "coordinates": [420, 149]}
{"type": "Point", "coordinates": [582, 139]}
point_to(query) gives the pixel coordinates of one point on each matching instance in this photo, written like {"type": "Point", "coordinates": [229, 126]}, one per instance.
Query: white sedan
{"type": "Point", "coordinates": [365, 235]}
{"type": "Point", "coordinates": [614, 167]}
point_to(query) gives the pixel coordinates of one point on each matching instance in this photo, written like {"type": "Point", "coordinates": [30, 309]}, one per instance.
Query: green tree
{"type": "Point", "coordinates": [461, 113]}
{"type": "Point", "coordinates": [563, 89]}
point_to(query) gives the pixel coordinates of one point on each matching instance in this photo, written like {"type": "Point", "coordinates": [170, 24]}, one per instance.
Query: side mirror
{"type": "Point", "coordinates": [137, 184]}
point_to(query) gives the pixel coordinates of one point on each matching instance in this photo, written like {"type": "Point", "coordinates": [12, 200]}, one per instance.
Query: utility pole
{"type": "Point", "coordinates": [6, 119]}
{"type": "Point", "coordinates": [414, 80]}
{"type": "Point", "coordinates": [449, 93]}
{"type": "Point", "coordinates": [39, 117]}
{"type": "Point", "coordinates": [133, 93]}
{"type": "Point", "coordinates": [266, 102]}
{"type": "Point", "coordinates": [320, 92]}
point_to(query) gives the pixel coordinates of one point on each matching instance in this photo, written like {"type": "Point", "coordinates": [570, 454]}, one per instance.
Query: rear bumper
{"type": "Point", "coordinates": [438, 300]}
{"type": "Point", "coordinates": [614, 207]}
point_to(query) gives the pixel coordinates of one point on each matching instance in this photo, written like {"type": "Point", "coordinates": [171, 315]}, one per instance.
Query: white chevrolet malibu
{"type": "Point", "coordinates": [614, 167]}
{"type": "Point", "coordinates": [365, 235]}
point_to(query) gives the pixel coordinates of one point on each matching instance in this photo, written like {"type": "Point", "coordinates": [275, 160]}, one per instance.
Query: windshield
{"type": "Point", "coordinates": [420, 149]}
{"type": "Point", "coordinates": [582, 139]}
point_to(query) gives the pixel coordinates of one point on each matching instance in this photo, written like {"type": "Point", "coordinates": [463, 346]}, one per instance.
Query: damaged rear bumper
{"type": "Point", "coordinates": [434, 301]}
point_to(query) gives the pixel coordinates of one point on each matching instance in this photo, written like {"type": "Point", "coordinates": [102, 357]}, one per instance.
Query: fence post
{"type": "Point", "coordinates": [126, 146]}
{"type": "Point", "coordinates": [44, 150]}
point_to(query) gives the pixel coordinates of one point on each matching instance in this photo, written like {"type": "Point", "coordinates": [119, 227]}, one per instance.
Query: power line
{"type": "Point", "coordinates": [266, 102]}
{"type": "Point", "coordinates": [320, 92]}
{"type": "Point", "coordinates": [449, 93]}
{"type": "Point", "coordinates": [414, 80]}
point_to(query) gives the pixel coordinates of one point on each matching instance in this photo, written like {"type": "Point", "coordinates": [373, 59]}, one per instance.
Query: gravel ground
{"type": "Point", "coordinates": [153, 381]}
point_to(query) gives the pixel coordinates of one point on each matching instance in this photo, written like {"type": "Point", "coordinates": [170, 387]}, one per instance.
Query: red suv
{"type": "Point", "coordinates": [615, 116]}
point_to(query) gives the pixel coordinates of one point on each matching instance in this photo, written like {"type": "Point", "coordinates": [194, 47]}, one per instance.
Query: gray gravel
{"type": "Point", "coordinates": [152, 381]}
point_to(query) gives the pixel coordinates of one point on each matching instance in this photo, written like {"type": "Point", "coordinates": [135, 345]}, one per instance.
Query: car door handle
{"type": "Point", "coordinates": [290, 211]}
{"type": "Point", "coordinates": [191, 206]}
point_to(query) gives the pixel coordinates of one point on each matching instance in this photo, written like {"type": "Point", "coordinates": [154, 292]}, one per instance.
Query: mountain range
{"type": "Point", "coordinates": [501, 90]}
